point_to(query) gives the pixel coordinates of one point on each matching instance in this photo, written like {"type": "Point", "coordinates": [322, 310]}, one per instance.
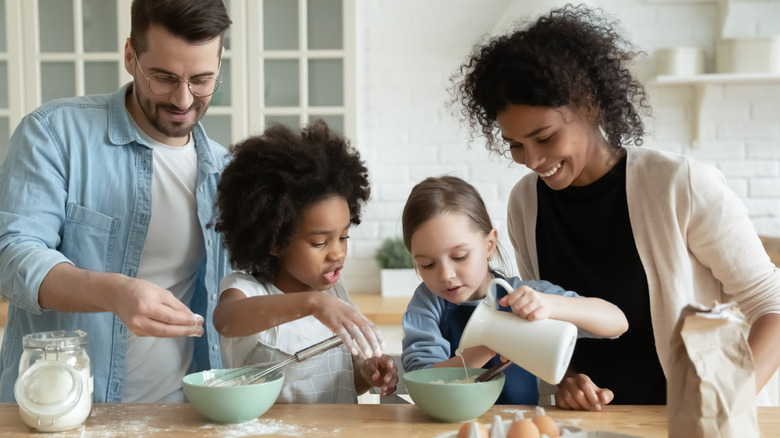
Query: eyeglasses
{"type": "Point", "coordinates": [164, 83]}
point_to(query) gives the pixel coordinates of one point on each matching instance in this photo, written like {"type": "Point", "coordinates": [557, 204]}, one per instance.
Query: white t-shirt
{"type": "Point", "coordinates": [173, 251]}
{"type": "Point", "coordinates": [324, 378]}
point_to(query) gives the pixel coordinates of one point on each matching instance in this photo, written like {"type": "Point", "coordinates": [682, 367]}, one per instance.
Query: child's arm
{"type": "Point", "coordinates": [375, 371]}
{"type": "Point", "coordinates": [423, 343]}
{"type": "Point", "coordinates": [592, 314]}
{"type": "Point", "coordinates": [238, 315]}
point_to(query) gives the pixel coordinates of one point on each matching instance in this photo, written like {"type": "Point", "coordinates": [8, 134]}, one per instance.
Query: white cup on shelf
{"type": "Point", "coordinates": [679, 61]}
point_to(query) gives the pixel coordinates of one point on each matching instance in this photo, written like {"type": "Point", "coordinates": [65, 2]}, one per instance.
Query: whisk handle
{"type": "Point", "coordinates": [318, 348]}
{"type": "Point", "coordinates": [493, 372]}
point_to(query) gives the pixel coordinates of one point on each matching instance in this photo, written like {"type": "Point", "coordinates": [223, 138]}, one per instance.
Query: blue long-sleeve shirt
{"type": "Point", "coordinates": [76, 187]}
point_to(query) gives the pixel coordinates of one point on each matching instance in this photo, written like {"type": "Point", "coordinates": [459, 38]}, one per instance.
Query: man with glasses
{"type": "Point", "coordinates": [104, 213]}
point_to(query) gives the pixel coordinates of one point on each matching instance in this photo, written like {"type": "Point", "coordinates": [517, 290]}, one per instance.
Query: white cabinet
{"type": "Point", "coordinates": [287, 61]}
{"type": "Point", "coordinates": [301, 56]}
{"type": "Point", "coordinates": [11, 71]}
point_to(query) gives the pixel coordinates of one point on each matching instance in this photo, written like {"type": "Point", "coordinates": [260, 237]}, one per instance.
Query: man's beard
{"type": "Point", "coordinates": [178, 130]}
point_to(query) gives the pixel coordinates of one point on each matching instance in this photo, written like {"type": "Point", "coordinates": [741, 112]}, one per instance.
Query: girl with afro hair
{"type": "Point", "coordinates": [646, 230]}
{"type": "Point", "coordinates": [286, 204]}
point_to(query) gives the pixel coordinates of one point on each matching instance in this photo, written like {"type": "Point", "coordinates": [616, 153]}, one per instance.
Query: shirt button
{"type": "Point", "coordinates": [215, 347]}
{"type": "Point", "coordinates": [213, 297]}
{"type": "Point", "coordinates": [201, 189]}
{"type": "Point", "coordinates": [209, 242]}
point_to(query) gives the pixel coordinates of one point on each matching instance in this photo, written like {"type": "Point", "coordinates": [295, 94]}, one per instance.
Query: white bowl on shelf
{"type": "Point", "coordinates": [748, 55]}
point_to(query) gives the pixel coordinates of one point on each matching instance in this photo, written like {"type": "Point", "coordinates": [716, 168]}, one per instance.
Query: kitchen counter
{"type": "Point", "coordinates": [173, 420]}
{"type": "Point", "coordinates": [381, 310]}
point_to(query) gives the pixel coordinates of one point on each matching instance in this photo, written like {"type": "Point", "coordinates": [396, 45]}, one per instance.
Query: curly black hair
{"type": "Point", "coordinates": [572, 56]}
{"type": "Point", "coordinates": [271, 179]}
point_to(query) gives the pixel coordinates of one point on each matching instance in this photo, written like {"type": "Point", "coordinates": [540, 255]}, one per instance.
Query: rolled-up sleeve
{"type": "Point", "coordinates": [32, 205]}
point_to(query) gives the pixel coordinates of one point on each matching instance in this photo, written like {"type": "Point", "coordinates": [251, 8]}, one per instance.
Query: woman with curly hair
{"type": "Point", "coordinates": [646, 230]}
{"type": "Point", "coordinates": [286, 204]}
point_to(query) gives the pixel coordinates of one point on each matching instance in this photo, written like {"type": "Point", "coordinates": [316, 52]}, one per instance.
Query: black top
{"type": "Point", "coordinates": [585, 244]}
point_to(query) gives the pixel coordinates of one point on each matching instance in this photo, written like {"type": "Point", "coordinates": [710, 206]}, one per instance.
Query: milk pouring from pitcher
{"type": "Point", "coordinates": [543, 348]}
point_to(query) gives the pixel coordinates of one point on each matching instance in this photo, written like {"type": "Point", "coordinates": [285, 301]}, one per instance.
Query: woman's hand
{"type": "Point", "coordinates": [380, 372]}
{"type": "Point", "coordinates": [360, 335]}
{"type": "Point", "coordinates": [528, 303]}
{"type": "Point", "coordinates": [577, 391]}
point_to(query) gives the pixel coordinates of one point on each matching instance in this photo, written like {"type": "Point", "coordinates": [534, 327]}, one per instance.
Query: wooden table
{"type": "Point", "coordinates": [174, 420]}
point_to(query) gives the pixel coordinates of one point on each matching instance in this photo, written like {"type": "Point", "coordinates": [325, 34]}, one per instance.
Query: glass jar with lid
{"type": "Point", "coordinates": [54, 387]}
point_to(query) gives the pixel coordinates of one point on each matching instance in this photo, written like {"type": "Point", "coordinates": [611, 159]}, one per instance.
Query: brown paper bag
{"type": "Point", "coordinates": [711, 386]}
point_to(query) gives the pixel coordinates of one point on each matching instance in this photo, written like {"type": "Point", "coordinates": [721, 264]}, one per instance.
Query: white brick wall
{"type": "Point", "coordinates": [411, 47]}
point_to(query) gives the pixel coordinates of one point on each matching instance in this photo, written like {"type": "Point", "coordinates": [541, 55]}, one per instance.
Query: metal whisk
{"type": "Point", "coordinates": [250, 374]}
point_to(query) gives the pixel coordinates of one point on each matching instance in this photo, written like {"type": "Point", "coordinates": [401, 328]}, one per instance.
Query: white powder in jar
{"type": "Point", "coordinates": [50, 387]}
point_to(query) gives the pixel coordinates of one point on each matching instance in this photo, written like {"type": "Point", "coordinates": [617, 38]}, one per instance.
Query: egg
{"type": "Point", "coordinates": [524, 428]}
{"type": "Point", "coordinates": [465, 430]}
{"type": "Point", "coordinates": [546, 426]}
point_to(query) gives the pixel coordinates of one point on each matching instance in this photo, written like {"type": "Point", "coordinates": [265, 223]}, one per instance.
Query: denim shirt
{"type": "Point", "coordinates": [76, 188]}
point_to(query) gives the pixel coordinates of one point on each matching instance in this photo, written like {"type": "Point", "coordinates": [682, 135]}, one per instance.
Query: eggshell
{"type": "Point", "coordinates": [546, 426]}
{"type": "Point", "coordinates": [524, 428]}
{"type": "Point", "coordinates": [465, 430]}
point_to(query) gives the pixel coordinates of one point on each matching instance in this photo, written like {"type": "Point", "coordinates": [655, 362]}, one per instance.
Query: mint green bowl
{"type": "Point", "coordinates": [452, 402]}
{"type": "Point", "coordinates": [231, 404]}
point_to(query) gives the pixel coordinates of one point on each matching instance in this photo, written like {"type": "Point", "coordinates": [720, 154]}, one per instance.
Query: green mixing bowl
{"type": "Point", "coordinates": [231, 404]}
{"type": "Point", "coordinates": [448, 401]}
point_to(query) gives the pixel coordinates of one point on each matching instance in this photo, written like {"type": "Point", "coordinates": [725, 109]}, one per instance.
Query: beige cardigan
{"type": "Point", "coordinates": [693, 235]}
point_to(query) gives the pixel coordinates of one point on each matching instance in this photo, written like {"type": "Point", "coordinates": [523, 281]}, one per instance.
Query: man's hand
{"type": "Point", "coordinates": [149, 310]}
{"type": "Point", "coordinates": [145, 308]}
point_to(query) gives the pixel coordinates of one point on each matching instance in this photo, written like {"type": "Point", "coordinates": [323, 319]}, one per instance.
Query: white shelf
{"type": "Point", "coordinates": [699, 82]}
{"type": "Point", "coordinates": [716, 78]}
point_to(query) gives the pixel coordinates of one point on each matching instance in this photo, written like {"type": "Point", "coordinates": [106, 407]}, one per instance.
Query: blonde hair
{"type": "Point", "coordinates": [435, 196]}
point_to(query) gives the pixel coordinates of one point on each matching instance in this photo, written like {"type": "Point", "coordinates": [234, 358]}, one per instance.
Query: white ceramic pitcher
{"type": "Point", "coordinates": [543, 347]}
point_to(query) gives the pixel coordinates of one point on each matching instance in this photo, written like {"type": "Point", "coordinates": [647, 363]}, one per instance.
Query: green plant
{"type": "Point", "coordinates": [393, 255]}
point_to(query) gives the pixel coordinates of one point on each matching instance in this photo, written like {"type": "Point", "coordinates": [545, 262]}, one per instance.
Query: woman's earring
{"type": "Point", "coordinates": [490, 258]}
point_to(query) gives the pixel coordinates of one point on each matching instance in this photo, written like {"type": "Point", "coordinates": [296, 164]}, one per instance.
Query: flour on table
{"type": "Point", "coordinates": [514, 412]}
{"type": "Point", "coordinates": [571, 421]}
{"type": "Point", "coordinates": [254, 427]}
{"type": "Point", "coordinates": [139, 427]}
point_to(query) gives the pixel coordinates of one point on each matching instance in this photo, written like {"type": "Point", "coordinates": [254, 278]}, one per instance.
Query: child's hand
{"type": "Point", "coordinates": [577, 391]}
{"type": "Point", "coordinates": [527, 303]}
{"type": "Point", "coordinates": [380, 372]}
{"type": "Point", "coordinates": [360, 335]}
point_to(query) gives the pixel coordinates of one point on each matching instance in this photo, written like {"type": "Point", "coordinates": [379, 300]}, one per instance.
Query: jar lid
{"type": "Point", "coordinates": [48, 389]}
{"type": "Point", "coordinates": [55, 339]}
